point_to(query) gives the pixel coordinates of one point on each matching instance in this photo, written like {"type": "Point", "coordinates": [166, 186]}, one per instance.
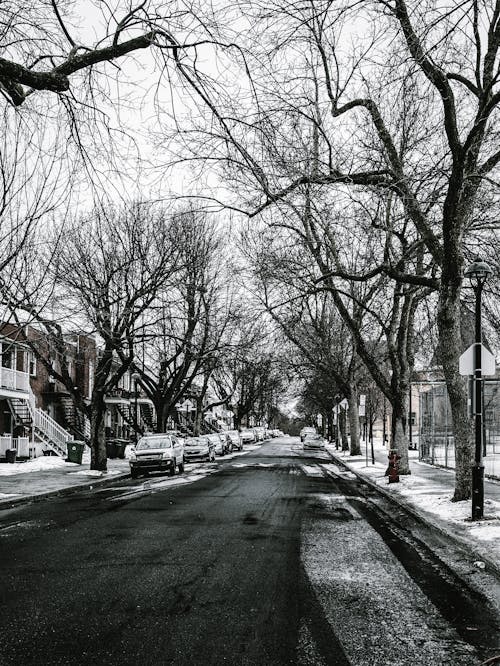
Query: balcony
{"type": "Point", "coordinates": [13, 382]}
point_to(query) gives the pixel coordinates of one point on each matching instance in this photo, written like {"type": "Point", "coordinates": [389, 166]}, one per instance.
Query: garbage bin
{"type": "Point", "coordinates": [75, 452]}
{"type": "Point", "coordinates": [120, 445]}
{"type": "Point", "coordinates": [111, 449]}
{"type": "Point", "coordinates": [10, 455]}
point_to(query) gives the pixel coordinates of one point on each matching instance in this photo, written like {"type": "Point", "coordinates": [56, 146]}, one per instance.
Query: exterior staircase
{"type": "Point", "coordinates": [45, 428]}
{"type": "Point", "coordinates": [129, 417]}
{"type": "Point", "coordinates": [21, 412]}
{"type": "Point", "coordinates": [147, 415]}
{"type": "Point", "coordinates": [74, 421]}
{"type": "Point", "coordinates": [185, 426]}
{"type": "Point", "coordinates": [208, 428]}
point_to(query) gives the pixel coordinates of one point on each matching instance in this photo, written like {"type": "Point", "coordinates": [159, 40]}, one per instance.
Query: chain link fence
{"type": "Point", "coordinates": [436, 444]}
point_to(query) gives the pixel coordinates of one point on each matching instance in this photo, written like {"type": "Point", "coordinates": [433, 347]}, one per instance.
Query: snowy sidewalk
{"type": "Point", "coordinates": [428, 492]}
{"type": "Point", "coordinates": [48, 475]}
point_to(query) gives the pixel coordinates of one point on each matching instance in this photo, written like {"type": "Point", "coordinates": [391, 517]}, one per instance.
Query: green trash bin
{"type": "Point", "coordinates": [10, 455]}
{"type": "Point", "coordinates": [75, 452]}
{"type": "Point", "coordinates": [121, 445]}
{"type": "Point", "coordinates": [111, 449]}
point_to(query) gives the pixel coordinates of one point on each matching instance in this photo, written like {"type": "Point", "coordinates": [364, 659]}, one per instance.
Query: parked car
{"type": "Point", "coordinates": [199, 448]}
{"type": "Point", "coordinates": [313, 441]}
{"type": "Point", "coordinates": [175, 433]}
{"type": "Point", "coordinates": [247, 436]}
{"type": "Point", "coordinates": [235, 439]}
{"type": "Point", "coordinates": [218, 442]}
{"type": "Point", "coordinates": [156, 453]}
{"type": "Point", "coordinates": [306, 431]}
{"type": "Point", "coordinates": [227, 441]}
{"type": "Point", "coordinates": [259, 434]}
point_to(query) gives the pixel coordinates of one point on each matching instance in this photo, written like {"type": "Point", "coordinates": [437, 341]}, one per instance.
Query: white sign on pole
{"type": "Point", "coordinates": [362, 410]}
{"type": "Point", "coordinates": [362, 399]}
{"type": "Point", "coordinates": [344, 403]}
{"type": "Point", "coordinates": [466, 361]}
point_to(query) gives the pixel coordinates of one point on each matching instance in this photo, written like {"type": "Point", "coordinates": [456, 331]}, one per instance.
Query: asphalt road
{"type": "Point", "coordinates": [272, 557]}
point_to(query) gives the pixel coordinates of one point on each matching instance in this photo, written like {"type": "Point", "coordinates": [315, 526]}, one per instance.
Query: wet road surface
{"type": "Point", "coordinates": [272, 557]}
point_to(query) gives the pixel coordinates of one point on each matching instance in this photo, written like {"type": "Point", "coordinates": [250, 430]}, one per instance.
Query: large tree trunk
{"type": "Point", "coordinates": [98, 457]}
{"type": "Point", "coordinates": [399, 435]}
{"type": "Point", "coordinates": [450, 348]}
{"type": "Point", "coordinates": [354, 423]}
{"type": "Point", "coordinates": [161, 415]}
{"type": "Point", "coordinates": [399, 422]}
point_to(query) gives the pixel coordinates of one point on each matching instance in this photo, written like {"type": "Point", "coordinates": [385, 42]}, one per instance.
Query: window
{"type": "Point", "coordinates": [31, 364]}
{"type": "Point", "coordinates": [8, 357]}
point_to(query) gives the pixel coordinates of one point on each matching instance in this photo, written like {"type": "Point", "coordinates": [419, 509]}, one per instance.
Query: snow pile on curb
{"type": "Point", "coordinates": [431, 497]}
{"type": "Point", "coordinates": [41, 464]}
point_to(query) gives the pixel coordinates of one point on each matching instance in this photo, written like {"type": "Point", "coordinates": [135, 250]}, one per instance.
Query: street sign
{"type": "Point", "coordinates": [362, 399]}
{"type": "Point", "coordinates": [344, 403]}
{"type": "Point", "coordinates": [361, 410]}
{"type": "Point", "coordinates": [466, 361]}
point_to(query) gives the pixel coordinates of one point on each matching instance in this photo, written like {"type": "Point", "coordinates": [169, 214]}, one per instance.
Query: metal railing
{"type": "Point", "coordinates": [51, 430]}
{"type": "Point", "coordinates": [47, 427]}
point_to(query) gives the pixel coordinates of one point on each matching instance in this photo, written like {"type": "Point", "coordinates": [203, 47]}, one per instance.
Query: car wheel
{"type": "Point", "coordinates": [181, 467]}
{"type": "Point", "coordinates": [134, 473]}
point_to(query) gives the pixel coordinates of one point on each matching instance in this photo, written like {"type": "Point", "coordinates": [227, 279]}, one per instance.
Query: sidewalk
{"type": "Point", "coordinates": [50, 475]}
{"type": "Point", "coordinates": [427, 493]}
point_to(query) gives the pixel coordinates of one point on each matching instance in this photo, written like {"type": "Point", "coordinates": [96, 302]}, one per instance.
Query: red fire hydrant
{"type": "Point", "coordinates": [393, 466]}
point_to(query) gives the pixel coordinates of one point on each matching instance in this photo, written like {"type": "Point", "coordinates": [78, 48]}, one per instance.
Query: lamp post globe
{"type": "Point", "coordinates": [478, 273]}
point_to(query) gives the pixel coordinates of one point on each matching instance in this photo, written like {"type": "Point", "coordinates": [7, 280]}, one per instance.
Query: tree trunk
{"type": "Point", "coordinates": [343, 429]}
{"type": "Point", "coordinates": [329, 426]}
{"type": "Point", "coordinates": [450, 350]}
{"type": "Point", "coordinates": [98, 457]}
{"type": "Point", "coordinates": [198, 418]}
{"type": "Point", "coordinates": [354, 423]}
{"type": "Point", "coordinates": [400, 385]}
{"type": "Point", "coordinates": [161, 415]}
{"type": "Point", "coordinates": [399, 435]}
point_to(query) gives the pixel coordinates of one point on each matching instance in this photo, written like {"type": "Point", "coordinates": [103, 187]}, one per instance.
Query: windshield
{"type": "Point", "coordinates": [154, 443]}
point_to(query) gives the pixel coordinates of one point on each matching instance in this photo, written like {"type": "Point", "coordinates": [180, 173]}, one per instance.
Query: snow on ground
{"type": "Point", "coordinates": [96, 473]}
{"type": "Point", "coordinates": [41, 464]}
{"type": "Point", "coordinates": [428, 494]}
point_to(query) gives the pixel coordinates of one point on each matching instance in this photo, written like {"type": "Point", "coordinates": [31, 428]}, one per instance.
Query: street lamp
{"type": "Point", "coordinates": [135, 377]}
{"type": "Point", "coordinates": [478, 273]}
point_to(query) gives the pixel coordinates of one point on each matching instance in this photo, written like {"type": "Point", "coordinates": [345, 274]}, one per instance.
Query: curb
{"type": "Point", "coordinates": [422, 517]}
{"type": "Point", "coordinates": [62, 492]}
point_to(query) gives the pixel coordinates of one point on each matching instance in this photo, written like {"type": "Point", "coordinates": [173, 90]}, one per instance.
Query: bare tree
{"type": "Point", "coordinates": [107, 270]}
{"type": "Point", "coordinates": [420, 123]}
{"type": "Point", "coordinates": [46, 48]}
{"type": "Point", "coordinates": [184, 332]}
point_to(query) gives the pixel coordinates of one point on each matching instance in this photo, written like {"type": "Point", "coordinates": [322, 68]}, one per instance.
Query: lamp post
{"type": "Point", "coordinates": [478, 273]}
{"type": "Point", "coordinates": [135, 377]}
